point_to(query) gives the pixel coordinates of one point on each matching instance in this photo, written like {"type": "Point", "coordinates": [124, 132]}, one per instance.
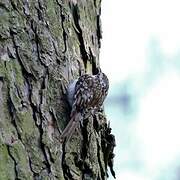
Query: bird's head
{"type": "Point", "coordinates": [103, 78]}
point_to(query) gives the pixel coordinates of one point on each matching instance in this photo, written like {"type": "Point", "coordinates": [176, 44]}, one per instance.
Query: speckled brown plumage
{"type": "Point", "coordinates": [88, 92]}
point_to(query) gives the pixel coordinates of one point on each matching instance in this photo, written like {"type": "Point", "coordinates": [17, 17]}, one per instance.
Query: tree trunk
{"type": "Point", "coordinates": [44, 45]}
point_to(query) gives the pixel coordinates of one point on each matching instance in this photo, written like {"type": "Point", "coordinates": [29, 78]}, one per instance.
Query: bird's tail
{"type": "Point", "coordinates": [71, 127]}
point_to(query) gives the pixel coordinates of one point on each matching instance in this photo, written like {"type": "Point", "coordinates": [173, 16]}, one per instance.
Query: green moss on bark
{"type": "Point", "coordinates": [6, 164]}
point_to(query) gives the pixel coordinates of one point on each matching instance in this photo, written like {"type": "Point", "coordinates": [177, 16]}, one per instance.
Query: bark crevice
{"type": "Point", "coordinates": [79, 34]}
{"type": "Point", "coordinates": [98, 31]}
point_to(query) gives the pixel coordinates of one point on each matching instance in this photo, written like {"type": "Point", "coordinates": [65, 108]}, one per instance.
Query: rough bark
{"type": "Point", "coordinates": [44, 45]}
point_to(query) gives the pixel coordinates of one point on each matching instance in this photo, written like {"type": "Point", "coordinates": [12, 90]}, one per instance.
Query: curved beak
{"type": "Point", "coordinates": [98, 69]}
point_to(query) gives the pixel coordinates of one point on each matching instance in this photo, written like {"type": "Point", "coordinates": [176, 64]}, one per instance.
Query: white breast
{"type": "Point", "coordinates": [71, 91]}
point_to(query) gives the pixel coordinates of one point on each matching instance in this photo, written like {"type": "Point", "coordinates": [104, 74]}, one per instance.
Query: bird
{"type": "Point", "coordinates": [87, 93]}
